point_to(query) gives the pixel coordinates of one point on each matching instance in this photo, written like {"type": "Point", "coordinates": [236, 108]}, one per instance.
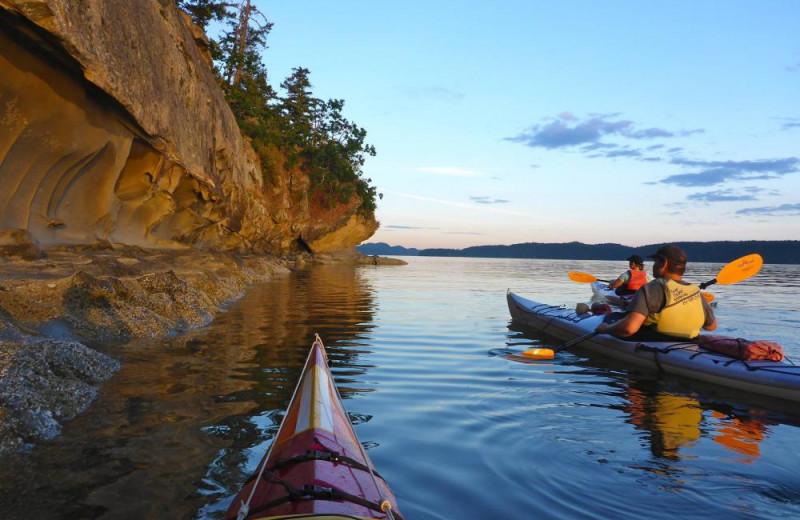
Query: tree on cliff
{"type": "Point", "coordinates": [204, 11]}
{"type": "Point", "coordinates": [297, 130]}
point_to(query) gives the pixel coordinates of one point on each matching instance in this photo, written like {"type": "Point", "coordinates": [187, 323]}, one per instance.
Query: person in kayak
{"type": "Point", "coordinates": [667, 306]}
{"type": "Point", "coordinates": [630, 281]}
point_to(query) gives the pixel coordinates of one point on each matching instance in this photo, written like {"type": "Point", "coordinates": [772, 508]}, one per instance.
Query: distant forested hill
{"type": "Point", "coordinates": [382, 248]}
{"type": "Point", "coordinates": [773, 251]}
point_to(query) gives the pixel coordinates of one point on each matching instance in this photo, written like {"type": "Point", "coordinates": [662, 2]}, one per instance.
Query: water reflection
{"type": "Point", "coordinates": [202, 405]}
{"type": "Point", "coordinates": [672, 415]}
{"type": "Point", "coordinates": [670, 421]}
{"type": "Point", "coordinates": [673, 423]}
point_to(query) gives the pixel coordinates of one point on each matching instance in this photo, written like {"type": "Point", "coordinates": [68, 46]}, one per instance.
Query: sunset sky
{"type": "Point", "coordinates": [552, 121]}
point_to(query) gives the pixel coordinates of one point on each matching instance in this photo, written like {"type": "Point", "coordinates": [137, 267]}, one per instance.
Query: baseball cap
{"type": "Point", "coordinates": [672, 253]}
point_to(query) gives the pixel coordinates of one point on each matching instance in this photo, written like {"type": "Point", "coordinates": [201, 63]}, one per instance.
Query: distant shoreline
{"type": "Point", "coordinates": [773, 251]}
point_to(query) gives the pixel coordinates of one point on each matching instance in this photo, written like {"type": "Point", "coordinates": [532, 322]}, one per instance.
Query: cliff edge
{"type": "Point", "coordinates": [113, 128]}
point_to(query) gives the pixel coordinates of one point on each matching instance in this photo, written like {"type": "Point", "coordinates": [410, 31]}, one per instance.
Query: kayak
{"type": "Point", "coordinates": [316, 465]}
{"type": "Point", "coordinates": [684, 358]}
{"type": "Point", "coordinates": [601, 290]}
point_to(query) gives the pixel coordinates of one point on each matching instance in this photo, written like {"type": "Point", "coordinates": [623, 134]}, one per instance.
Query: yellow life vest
{"type": "Point", "coordinates": [683, 315]}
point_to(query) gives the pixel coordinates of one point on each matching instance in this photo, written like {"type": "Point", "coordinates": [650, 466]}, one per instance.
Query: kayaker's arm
{"type": "Point", "coordinates": [710, 322]}
{"type": "Point", "coordinates": [627, 326]}
{"type": "Point", "coordinates": [619, 281]}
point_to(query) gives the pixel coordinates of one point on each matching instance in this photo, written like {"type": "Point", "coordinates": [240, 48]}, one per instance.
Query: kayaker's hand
{"type": "Point", "coordinates": [602, 328]}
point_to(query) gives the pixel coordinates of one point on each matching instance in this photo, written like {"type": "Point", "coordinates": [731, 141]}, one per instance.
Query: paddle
{"type": "Point", "coordinates": [573, 342]}
{"type": "Point", "coordinates": [581, 277]}
{"type": "Point", "coordinates": [546, 353]}
{"type": "Point", "coordinates": [736, 271]}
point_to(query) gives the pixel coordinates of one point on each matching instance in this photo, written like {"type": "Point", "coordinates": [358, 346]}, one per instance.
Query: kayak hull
{"type": "Point", "coordinates": [316, 464]}
{"type": "Point", "coordinates": [683, 358]}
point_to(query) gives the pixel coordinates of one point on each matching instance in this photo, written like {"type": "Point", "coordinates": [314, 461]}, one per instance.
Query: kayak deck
{"type": "Point", "coordinates": [316, 464]}
{"type": "Point", "coordinates": [601, 290]}
{"type": "Point", "coordinates": [779, 379]}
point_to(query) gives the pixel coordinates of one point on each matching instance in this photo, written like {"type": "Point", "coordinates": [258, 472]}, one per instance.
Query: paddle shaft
{"type": "Point", "coordinates": [706, 284]}
{"type": "Point", "coordinates": [573, 342]}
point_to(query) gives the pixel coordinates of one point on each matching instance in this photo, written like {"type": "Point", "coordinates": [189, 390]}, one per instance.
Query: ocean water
{"type": "Point", "coordinates": [458, 430]}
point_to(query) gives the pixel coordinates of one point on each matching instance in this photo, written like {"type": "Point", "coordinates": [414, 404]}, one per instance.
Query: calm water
{"type": "Point", "coordinates": [458, 430]}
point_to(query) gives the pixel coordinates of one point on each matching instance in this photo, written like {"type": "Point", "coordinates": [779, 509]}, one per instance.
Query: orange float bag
{"type": "Point", "coordinates": [741, 348]}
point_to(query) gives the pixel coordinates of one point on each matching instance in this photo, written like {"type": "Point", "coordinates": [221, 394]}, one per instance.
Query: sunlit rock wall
{"type": "Point", "coordinates": [112, 127]}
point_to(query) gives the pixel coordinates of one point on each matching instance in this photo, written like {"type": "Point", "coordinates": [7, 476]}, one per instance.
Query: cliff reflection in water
{"type": "Point", "coordinates": [329, 300]}
{"type": "Point", "coordinates": [193, 406]}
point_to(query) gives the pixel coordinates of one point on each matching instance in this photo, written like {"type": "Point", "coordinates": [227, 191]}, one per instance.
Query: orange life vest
{"type": "Point", "coordinates": [636, 280]}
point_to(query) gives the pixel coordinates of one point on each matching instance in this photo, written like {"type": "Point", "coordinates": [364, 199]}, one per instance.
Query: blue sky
{"type": "Point", "coordinates": [552, 121]}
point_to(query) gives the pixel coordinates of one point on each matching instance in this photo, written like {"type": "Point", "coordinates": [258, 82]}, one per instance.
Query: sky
{"type": "Point", "coordinates": [555, 121]}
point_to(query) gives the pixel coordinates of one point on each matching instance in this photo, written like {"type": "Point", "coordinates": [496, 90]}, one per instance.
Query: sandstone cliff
{"type": "Point", "coordinates": [113, 128]}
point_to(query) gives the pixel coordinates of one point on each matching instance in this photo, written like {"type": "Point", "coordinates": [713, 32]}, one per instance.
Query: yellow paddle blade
{"type": "Point", "coordinates": [577, 276]}
{"type": "Point", "coordinates": [539, 353]}
{"type": "Point", "coordinates": [707, 296]}
{"type": "Point", "coordinates": [740, 269]}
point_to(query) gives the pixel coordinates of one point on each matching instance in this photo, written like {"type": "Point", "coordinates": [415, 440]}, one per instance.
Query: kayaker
{"type": "Point", "coordinates": [630, 281]}
{"type": "Point", "coordinates": [667, 306]}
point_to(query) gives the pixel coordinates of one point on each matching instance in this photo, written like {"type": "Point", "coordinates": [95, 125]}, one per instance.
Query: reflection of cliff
{"type": "Point", "coordinates": [675, 422]}
{"type": "Point", "coordinates": [201, 402]}
{"type": "Point", "coordinates": [113, 127]}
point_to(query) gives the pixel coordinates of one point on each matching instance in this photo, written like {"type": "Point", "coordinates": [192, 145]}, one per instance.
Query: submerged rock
{"type": "Point", "coordinates": [43, 384]}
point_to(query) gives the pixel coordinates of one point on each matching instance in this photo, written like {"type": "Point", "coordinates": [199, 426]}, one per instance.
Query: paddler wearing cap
{"type": "Point", "coordinates": [666, 306]}
{"type": "Point", "coordinates": [630, 281]}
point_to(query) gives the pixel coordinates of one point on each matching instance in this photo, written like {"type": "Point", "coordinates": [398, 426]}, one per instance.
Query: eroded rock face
{"type": "Point", "coordinates": [112, 127]}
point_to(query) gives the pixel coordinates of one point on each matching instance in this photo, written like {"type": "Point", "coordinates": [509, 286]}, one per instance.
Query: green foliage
{"type": "Point", "coordinates": [204, 11]}
{"type": "Point", "coordinates": [306, 131]}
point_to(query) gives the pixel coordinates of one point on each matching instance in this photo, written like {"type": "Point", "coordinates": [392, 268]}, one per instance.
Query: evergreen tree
{"type": "Point", "coordinates": [303, 130]}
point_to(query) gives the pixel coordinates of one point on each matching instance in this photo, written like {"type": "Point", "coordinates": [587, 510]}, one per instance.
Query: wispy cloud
{"type": "Point", "coordinates": [405, 227]}
{"type": "Point", "coordinates": [784, 210]}
{"type": "Point", "coordinates": [488, 200]}
{"type": "Point", "coordinates": [565, 131]}
{"type": "Point", "coordinates": [475, 207]}
{"type": "Point", "coordinates": [449, 171]}
{"type": "Point", "coordinates": [435, 93]}
{"type": "Point", "coordinates": [723, 196]}
{"type": "Point", "coordinates": [717, 172]}
{"type": "Point", "coordinates": [789, 123]}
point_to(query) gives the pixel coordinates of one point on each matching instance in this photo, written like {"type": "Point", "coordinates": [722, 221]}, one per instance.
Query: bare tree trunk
{"type": "Point", "coordinates": [241, 46]}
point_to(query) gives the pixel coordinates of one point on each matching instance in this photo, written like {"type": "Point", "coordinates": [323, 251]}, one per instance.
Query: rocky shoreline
{"type": "Point", "coordinates": [54, 307]}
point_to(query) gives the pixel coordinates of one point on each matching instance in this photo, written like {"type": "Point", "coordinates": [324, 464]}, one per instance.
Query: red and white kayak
{"type": "Point", "coordinates": [316, 465]}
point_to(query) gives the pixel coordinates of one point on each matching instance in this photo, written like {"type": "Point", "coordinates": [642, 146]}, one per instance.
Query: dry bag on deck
{"type": "Point", "coordinates": [741, 348]}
